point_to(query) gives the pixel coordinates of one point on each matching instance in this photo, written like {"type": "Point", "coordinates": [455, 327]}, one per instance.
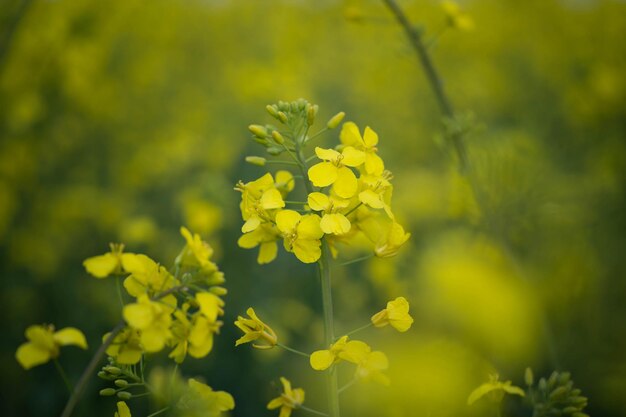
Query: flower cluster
{"type": "Point", "coordinates": [348, 191]}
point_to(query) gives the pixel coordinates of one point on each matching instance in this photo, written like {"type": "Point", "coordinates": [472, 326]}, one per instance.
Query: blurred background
{"type": "Point", "coordinates": [122, 120]}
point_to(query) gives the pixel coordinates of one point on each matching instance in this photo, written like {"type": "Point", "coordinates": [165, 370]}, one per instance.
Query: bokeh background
{"type": "Point", "coordinates": [122, 120]}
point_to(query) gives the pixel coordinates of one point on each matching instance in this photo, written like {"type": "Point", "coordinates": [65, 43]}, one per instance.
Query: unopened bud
{"type": "Point", "coordinates": [123, 395]}
{"type": "Point", "coordinates": [103, 375]}
{"type": "Point", "coordinates": [113, 370]}
{"type": "Point", "coordinates": [122, 383]}
{"type": "Point", "coordinates": [258, 131]}
{"type": "Point", "coordinates": [311, 112]}
{"type": "Point", "coordinates": [558, 393]}
{"type": "Point", "coordinates": [278, 137]}
{"type": "Point", "coordinates": [256, 160]}
{"type": "Point", "coordinates": [219, 290]}
{"type": "Point", "coordinates": [282, 117]}
{"type": "Point", "coordinates": [107, 392]}
{"type": "Point", "coordinates": [528, 377]}
{"type": "Point", "coordinates": [272, 110]}
{"type": "Point", "coordinates": [335, 120]}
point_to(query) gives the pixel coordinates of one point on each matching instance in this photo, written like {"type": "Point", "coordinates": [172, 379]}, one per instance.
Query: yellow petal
{"type": "Point", "coordinates": [251, 224]}
{"type": "Point", "coordinates": [122, 410]}
{"type": "Point", "coordinates": [322, 174]}
{"type": "Point", "coordinates": [511, 389]}
{"type": "Point", "coordinates": [307, 251]}
{"type": "Point", "coordinates": [481, 391]}
{"type": "Point", "coordinates": [285, 180]}
{"type": "Point", "coordinates": [350, 135]}
{"type": "Point", "coordinates": [249, 240]}
{"type": "Point", "coordinates": [272, 199]}
{"type": "Point", "coordinates": [318, 201]}
{"type": "Point", "coordinates": [70, 336]}
{"type": "Point", "coordinates": [153, 339]}
{"type": "Point", "coordinates": [371, 199]}
{"type": "Point", "coordinates": [309, 227]}
{"type": "Point", "coordinates": [327, 154]}
{"type": "Point", "coordinates": [210, 305]}
{"type": "Point", "coordinates": [286, 220]}
{"type": "Point", "coordinates": [137, 315]}
{"type": "Point", "coordinates": [374, 164]}
{"type": "Point", "coordinates": [321, 359]}
{"type": "Point", "coordinates": [29, 355]}
{"type": "Point", "coordinates": [345, 185]}
{"type": "Point", "coordinates": [370, 137]}
{"type": "Point", "coordinates": [275, 403]}
{"type": "Point", "coordinates": [355, 351]}
{"type": "Point", "coordinates": [41, 336]}
{"type": "Point", "coordinates": [352, 157]}
{"type": "Point", "coordinates": [267, 252]}
{"type": "Point", "coordinates": [335, 224]}
{"type": "Point", "coordinates": [101, 266]}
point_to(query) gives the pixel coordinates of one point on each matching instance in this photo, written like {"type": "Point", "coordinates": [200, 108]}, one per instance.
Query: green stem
{"type": "Point", "coordinates": [156, 413]}
{"type": "Point", "coordinates": [277, 162]}
{"type": "Point", "coordinates": [66, 381]}
{"type": "Point", "coordinates": [362, 258]}
{"type": "Point", "coordinates": [348, 385]}
{"type": "Point", "coordinates": [352, 209]}
{"type": "Point", "coordinates": [297, 352]}
{"type": "Point", "coordinates": [310, 410]}
{"type": "Point", "coordinates": [359, 329]}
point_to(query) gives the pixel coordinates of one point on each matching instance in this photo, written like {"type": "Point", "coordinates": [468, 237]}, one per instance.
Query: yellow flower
{"type": "Point", "coordinates": [126, 347]}
{"type": "Point", "coordinates": [196, 253]}
{"type": "Point", "coordinates": [456, 17]}
{"type": "Point", "coordinates": [334, 170]}
{"type": "Point", "coordinates": [201, 400]}
{"type": "Point", "coordinates": [301, 234]}
{"type": "Point", "coordinates": [265, 235]}
{"type": "Point", "coordinates": [351, 136]}
{"type": "Point", "coordinates": [495, 388]}
{"type": "Point", "coordinates": [342, 349]}
{"type": "Point", "coordinates": [376, 191]}
{"type": "Point", "coordinates": [289, 400]}
{"type": "Point", "coordinates": [122, 410]}
{"type": "Point", "coordinates": [332, 222]}
{"type": "Point", "coordinates": [152, 319]}
{"type": "Point", "coordinates": [254, 329]}
{"type": "Point", "coordinates": [102, 266]}
{"type": "Point", "coordinates": [257, 198]}
{"type": "Point", "coordinates": [44, 344]}
{"type": "Point", "coordinates": [370, 367]}
{"type": "Point", "coordinates": [146, 276]}
{"type": "Point", "coordinates": [396, 314]}
{"type": "Point", "coordinates": [391, 243]}
{"type": "Point", "coordinates": [193, 336]}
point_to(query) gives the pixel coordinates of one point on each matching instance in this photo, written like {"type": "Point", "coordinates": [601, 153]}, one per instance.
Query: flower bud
{"type": "Point", "coordinates": [107, 392]}
{"type": "Point", "coordinates": [113, 370]}
{"type": "Point", "coordinates": [104, 375]}
{"type": "Point", "coordinates": [218, 290]}
{"type": "Point", "coordinates": [272, 110]}
{"type": "Point", "coordinates": [124, 395]}
{"type": "Point", "coordinates": [256, 160]}
{"type": "Point", "coordinates": [122, 383]}
{"type": "Point", "coordinates": [311, 111]}
{"type": "Point", "coordinates": [258, 131]}
{"type": "Point", "coordinates": [559, 393]}
{"type": "Point", "coordinates": [282, 117]}
{"type": "Point", "coordinates": [335, 120]}
{"type": "Point", "coordinates": [278, 137]}
{"type": "Point", "coordinates": [528, 377]}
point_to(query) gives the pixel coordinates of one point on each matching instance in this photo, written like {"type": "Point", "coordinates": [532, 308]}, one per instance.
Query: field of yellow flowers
{"type": "Point", "coordinates": [333, 208]}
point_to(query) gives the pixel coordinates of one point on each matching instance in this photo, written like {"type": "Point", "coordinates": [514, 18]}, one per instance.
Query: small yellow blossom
{"type": "Point", "coordinates": [254, 329]}
{"type": "Point", "coordinates": [456, 17]}
{"type": "Point", "coordinates": [196, 253]}
{"type": "Point", "coordinates": [391, 243]}
{"type": "Point", "coordinates": [342, 349]}
{"type": "Point", "coordinates": [376, 191]}
{"type": "Point", "coordinates": [152, 319]}
{"type": "Point", "coordinates": [44, 344]}
{"type": "Point", "coordinates": [285, 182]}
{"type": "Point", "coordinates": [146, 276]}
{"type": "Point", "coordinates": [258, 198]}
{"type": "Point", "coordinates": [495, 388]}
{"type": "Point", "coordinates": [265, 235]}
{"type": "Point", "coordinates": [201, 401]}
{"type": "Point", "coordinates": [301, 234]}
{"type": "Point", "coordinates": [396, 314]}
{"type": "Point", "coordinates": [350, 136]}
{"type": "Point", "coordinates": [334, 170]}
{"type": "Point", "coordinates": [193, 336]}
{"type": "Point", "coordinates": [126, 347]}
{"type": "Point", "coordinates": [122, 410]}
{"type": "Point", "coordinates": [289, 400]}
{"type": "Point", "coordinates": [102, 266]}
{"type": "Point", "coordinates": [332, 222]}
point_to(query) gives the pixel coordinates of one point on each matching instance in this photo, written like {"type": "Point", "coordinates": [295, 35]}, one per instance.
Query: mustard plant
{"type": "Point", "coordinates": [347, 195]}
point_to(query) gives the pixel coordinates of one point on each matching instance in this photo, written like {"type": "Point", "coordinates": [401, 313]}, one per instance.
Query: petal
{"type": "Point", "coordinates": [371, 199]}
{"type": "Point", "coordinates": [153, 339]}
{"type": "Point", "coordinates": [272, 199]}
{"type": "Point", "coordinates": [345, 185]}
{"type": "Point", "coordinates": [355, 351]}
{"type": "Point", "coordinates": [374, 164]}
{"type": "Point", "coordinates": [335, 224]}
{"type": "Point", "coordinates": [309, 227]}
{"type": "Point", "coordinates": [322, 174]}
{"type": "Point", "coordinates": [40, 336]}
{"type": "Point", "coordinates": [402, 324]}
{"type": "Point", "coordinates": [352, 157]}
{"type": "Point", "coordinates": [267, 252]}
{"type": "Point", "coordinates": [285, 180]}
{"type": "Point", "coordinates": [370, 137]}
{"type": "Point", "coordinates": [350, 135]}
{"type": "Point", "coordinates": [224, 401]}
{"type": "Point", "coordinates": [307, 251]}
{"type": "Point", "coordinates": [250, 240]}
{"type": "Point", "coordinates": [210, 305]}
{"type": "Point", "coordinates": [481, 391]}
{"type": "Point", "coordinates": [275, 403]}
{"type": "Point", "coordinates": [286, 220]}
{"type": "Point", "coordinates": [327, 154]}
{"type": "Point", "coordinates": [318, 201]}
{"type": "Point", "coordinates": [29, 355]}
{"type": "Point", "coordinates": [321, 359]}
{"type": "Point", "coordinates": [137, 315]}
{"type": "Point", "coordinates": [101, 266]}
{"type": "Point", "coordinates": [251, 224]}
{"type": "Point", "coordinates": [70, 336]}
{"type": "Point", "coordinates": [122, 409]}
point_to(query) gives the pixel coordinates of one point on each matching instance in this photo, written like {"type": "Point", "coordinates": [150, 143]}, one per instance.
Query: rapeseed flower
{"type": "Point", "coordinates": [396, 314]}
{"type": "Point", "coordinates": [254, 329]}
{"type": "Point", "coordinates": [334, 170]}
{"type": "Point", "coordinates": [350, 136]}
{"type": "Point", "coordinates": [332, 222]}
{"type": "Point", "coordinates": [44, 344]}
{"type": "Point", "coordinates": [102, 266]}
{"type": "Point", "coordinates": [342, 349]}
{"type": "Point", "coordinates": [392, 241]}
{"type": "Point", "coordinates": [152, 319]}
{"type": "Point", "coordinates": [192, 336]}
{"type": "Point", "coordinates": [146, 276]}
{"type": "Point", "coordinates": [201, 401]}
{"type": "Point", "coordinates": [264, 236]}
{"type": "Point", "coordinates": [456, 17]}
{"type": "Point", "coordinates": [126, 347]}
{"type": "Point", "coordinates": [376, 191]}
{"type": "Point", "coordinates": [495, 388]}
{"type": "Point", "coordinates": [258, 198]}
{"type": "Point", "coordinates": [122, 410]}
{"type": "Point", "coordinates": [289, 400]}
{"type": "Point", "coordinates": [301, 234]}
{"type": "Point", "coordinates": [370, 366]}
{"type": "Point", "coordinates": [196, 253]}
